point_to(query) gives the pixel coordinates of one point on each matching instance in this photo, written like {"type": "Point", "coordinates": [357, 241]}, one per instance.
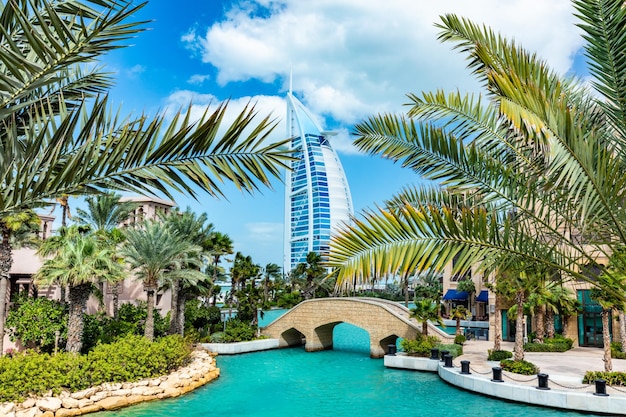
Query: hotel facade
{"type": "Point", "coordinates": [317, 196]}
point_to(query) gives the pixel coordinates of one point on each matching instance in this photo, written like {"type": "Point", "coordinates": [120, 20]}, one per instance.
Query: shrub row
{"type": "Point", "coordinates": [127, 360]}
{"type": "Point", "coordinates": [421, 346]}
{"type": "Point", "coordinates": [546, 347]}
{"type": "Point", "coordinates": [498, 355]}
{"type": "Point", "coordinates": [454, 349]}
{"type": "Point", "coordinates": [519, 367]}
{"type": "Point", "coordinates": [616, 351]}
{"type": "Point", "coordinates": [611, 378]}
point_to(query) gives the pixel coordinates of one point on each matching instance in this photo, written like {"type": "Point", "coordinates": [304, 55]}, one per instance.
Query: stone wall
{"type": "Point", "coordinates": [111, 396]}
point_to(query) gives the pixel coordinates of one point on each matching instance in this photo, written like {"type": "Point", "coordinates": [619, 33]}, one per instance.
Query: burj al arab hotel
{"type": "Point", "coordinates": [317, 196]}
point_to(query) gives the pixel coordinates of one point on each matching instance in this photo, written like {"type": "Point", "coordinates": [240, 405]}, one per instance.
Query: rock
{"type": "Point", "coordinates": [86, 393]}
{"type": "Point", "coordinates": [29, 403]}
{"type": "Point", "coordinates": [29, 412]}
{"type": "Point", "coordinates": [49, 404]}
{"type": "Point", "coordinates": [121, 393]}
{"type": "Point", "coordinates": [113, 403]}
{"type": "Point", "coordinates": [64, 412]}
{"type": "Point", "coordinates": [84, 403]}
{"type": "Point", "coordinates": [111, 386]}
{"type": "Point", "coordinates": [100, 396]}
{"type": "Point", "coordinates": [70, 402]}
{"type": "Point", "coordinates": [7, 408]}
{"type": "Point", "coordinates": [90, 408]}
{"type": "Point", "coordinates": [47, 414]}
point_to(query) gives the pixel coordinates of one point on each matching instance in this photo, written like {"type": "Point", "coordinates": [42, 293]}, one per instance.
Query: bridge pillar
{"type": "Point", "coordinates": [320, 338]}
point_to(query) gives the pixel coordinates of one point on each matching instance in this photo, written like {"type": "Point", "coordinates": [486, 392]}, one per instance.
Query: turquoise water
{"type": "Point", "coordinates": [341, 382]}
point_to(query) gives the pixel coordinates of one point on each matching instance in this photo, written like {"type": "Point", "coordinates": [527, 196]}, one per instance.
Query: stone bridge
{"type": "Point", "coordinates": [312, 322]}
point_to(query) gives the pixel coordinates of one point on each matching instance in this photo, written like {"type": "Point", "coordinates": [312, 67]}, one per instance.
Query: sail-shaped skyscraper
{"type": "Point", "coordinates": [317, 196]}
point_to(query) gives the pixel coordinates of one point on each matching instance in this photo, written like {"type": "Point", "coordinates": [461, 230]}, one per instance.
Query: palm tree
{"type": "Point", "coordinates": [219, 245]}
{"type": "Point", "coordinates": [60, 137]}
{"type": "Point", "coordinates": [606, 295]}
{"type": "Point", "coordinates": [426, 310]}
{"type": "Point", "coordinates": [459, 313]}
{"type": "Point", "coordinates": [271, 272]}
{"type": "Point", "coordinates": [105, 212]}
{"type": "Point", "coordinates": [534, 171]}
{"type": "Point", "coordinates": [195, 230]}
{"type": "Point", "coordinates": [10, 226]}
{"type": "Point", "coordinates": [79, 261]}
{"type": "Point", "coordinates": [157, 255]}
{"type": "Point", "coordinates": [313, 272]}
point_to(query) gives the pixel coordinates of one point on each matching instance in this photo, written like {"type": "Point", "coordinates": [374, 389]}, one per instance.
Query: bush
{"type": "Point", "coordinates": [616, 351]}
{"type": "Point", "coordinates": [611, 378]}
{"type": "Point", "coordinates": [560, 339]}
{"type": "Point", "coordinates": [238, 331]}
{"type": "Point", "coordinates": [454, 349]}
{"type": "Point", "coordinates": [519, 367]}
{"type": "Point", "coordinates": [459, 339]}
{"type": "Point", "coordinates": [36, 321]}
{"type": "Point", "coordinates": [421, 346]}
{"type": "Point", "coordinates": [498, 355]}
{"type": "Point", "coordinates": [126, 360]}
{"type": "Point", "coordinates": [546, 347]}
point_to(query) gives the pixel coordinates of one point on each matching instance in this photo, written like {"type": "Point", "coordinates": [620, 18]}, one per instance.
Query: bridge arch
{"type": "Point", "coordinates": [313, 322]}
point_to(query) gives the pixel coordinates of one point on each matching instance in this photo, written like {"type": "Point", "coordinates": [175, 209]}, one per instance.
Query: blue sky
{"type": "Point", "coordinates": [350, 59]}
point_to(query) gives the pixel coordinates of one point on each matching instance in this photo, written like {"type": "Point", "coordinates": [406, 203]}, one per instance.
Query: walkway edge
{"type": "Point", "coordinates": [566, 400]}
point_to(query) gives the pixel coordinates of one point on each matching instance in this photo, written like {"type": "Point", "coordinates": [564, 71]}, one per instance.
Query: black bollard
{"type": "Point", "coordinates": [465, 367]}
{"type": "Point", "coordinates": [601, 388]}
{"type": "Point", "coordinates": [391, 350]}
{"type": "Point", "coordinates": [542, 381]}
{"type": "Point", "coordinates": [434, 354]}
{"type": "Point", "coordinates": [443, 354]}
{"type": "Point", "coordinates": [447, 361]}
{"type": "Point", "coordinates": [497, 374]}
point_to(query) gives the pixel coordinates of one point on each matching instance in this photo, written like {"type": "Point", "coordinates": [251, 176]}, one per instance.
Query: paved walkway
{"type": "Point", "coordinates": [566, 370]}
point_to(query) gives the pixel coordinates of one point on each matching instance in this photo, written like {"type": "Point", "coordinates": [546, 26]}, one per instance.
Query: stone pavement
{"type": "Point", "coordinates": [566, 370]}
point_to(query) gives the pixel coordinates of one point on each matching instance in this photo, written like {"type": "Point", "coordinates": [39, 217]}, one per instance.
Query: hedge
{"type": "Point", "coordinates": [126, 360]}
{"type": "Point", "coordinates": [611, 378]}
{"type": "Point", "coordinates": [519, 367]}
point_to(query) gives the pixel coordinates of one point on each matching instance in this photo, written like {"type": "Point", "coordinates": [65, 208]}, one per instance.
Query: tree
{"type": "Point", "coordinates": [10, 226]}
{"type": "Point", "coordinates": [79, 261]}
{"type": "Point", "coordinates": [606, 295]}
{"type": "Point", "coordinates": [467, 285]}
{"type": "Point", "coordinates": [60, 137]}
{"type": "Point", "coordinates": [271, 272]}
{"type": "Point", "coordinates": [219, 245]}
{"type": "Point", "coordinates": [459, 313]}
{"type": "Point", "coordinates": [533, 170]}
{"type": "Point", "coordinates": [426, 310]}
{"type": "Point", "coordinates": [105, 212]}
{"type": "Point", "coordinates": [37, 322]}
{"type": "Point", "coordinates": [157, 255]}
{"type": "Point", "coordinates": [313, 273]}
{"type": "Point", "coordinates": [195, 230]}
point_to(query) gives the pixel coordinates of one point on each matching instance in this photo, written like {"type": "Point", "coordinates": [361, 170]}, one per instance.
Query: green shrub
{"type": "Point", "coordinates": [546, 347]}
{"type": "Point", "coordinates": [560, 339]}
{"type": "Point", "coordinates": [498, 355]}
{"type": "Point", "coordinates": [611, 378]}
{"type": "Point", "coordinates": [616, 351]}
{"type": "Point", "coordinates": [238, 331]}
{"type": "Point", "coordinates": [519, 367]}
{"type": "Point", "coordinates": [126, 360]}
{"type": "Point", "coordinates": [420, 346]}
{"type": "Point", "coordinates": [454, 349]}
{"type": "Point", "coordinates": [217, 337]}
{"type": "Point", "coordinates": [459, 339]}
{"type": "Point", "coordinates": [36, 321]}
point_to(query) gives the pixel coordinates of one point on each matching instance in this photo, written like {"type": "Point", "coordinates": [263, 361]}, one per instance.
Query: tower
{"type": "Point", "coordinates": [317, 197]}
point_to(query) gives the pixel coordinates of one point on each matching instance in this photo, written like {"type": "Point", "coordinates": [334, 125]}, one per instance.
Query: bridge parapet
{"type": "Point", "coordinates": [315, 320]}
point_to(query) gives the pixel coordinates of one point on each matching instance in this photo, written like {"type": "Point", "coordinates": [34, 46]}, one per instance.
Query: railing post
{"type": "Point", "coordinates": [601, 388]}
{"type": "Point", "coordinates": [542, 382]}
{"type": "Point", "coordinates": [443, 354]}
{"type": "Point", "coordinates": [391, 350]}
{"type": "Point", "coordinates": [497, 374]}
{"type": "Point", "coordinates": [447, 361]}
{"type": "Point", "coordinates": [434, 354]}
{"type": "Point", "coordinates": [465, 367]}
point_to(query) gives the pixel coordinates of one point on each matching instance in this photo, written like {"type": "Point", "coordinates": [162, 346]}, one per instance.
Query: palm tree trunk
{"type": "Point", "coordinates": [78, 295]}
{"type": "Point", "coordinates": [425, 327]}
{"type": "Point", "coordinates": [175, 289]}
{"type": "Point", "coordinates": [622, 329]}
{"type": "Point", "coordinates": [606, 339]}
{"type": "Point", "coordinates": [458, 326]}
{"type": "Point", "coordinates": [149, 330]}
{"type": "Point", "coordinates": [6, 260]}
{"type": "Point", "coordinates": [180, 314]}
{"type": "Point", "coordinates": [519, 327]}
{"type": "Point", "coordinates": [116, 300]}
{"type": "Point", "coordinates": [550, 323]}
{"type": "Point", "coordinates": [497, 330]}
{"type": "Point", "coordinates": [541, 321]}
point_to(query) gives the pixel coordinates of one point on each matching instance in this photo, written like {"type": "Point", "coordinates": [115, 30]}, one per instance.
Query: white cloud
{"type": "Point", "coordinates": [352, 58]}
{"type": "Point", "coordinates": [198, 79]}
{"type": "Point", "coordinates": [265, 232]}
{"type": "Point", "coordinates": [135, 71]}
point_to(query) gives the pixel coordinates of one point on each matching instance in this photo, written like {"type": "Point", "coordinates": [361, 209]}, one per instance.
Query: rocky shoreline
{"type": "Point", "coordinates": [111, 396]}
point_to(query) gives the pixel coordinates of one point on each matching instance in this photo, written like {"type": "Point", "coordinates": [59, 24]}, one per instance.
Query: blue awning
{"type": "Point", "coordinates": [455, 295]}
{"type": "Point", "coordinates": [483, 297]}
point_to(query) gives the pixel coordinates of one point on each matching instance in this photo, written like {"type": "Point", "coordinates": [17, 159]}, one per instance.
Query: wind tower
{"type": "Point", "coordinates": [317, 196]}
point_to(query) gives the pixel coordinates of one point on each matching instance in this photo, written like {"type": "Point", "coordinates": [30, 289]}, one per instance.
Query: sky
{"type": "Point", "coordinates": [349, 59]}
